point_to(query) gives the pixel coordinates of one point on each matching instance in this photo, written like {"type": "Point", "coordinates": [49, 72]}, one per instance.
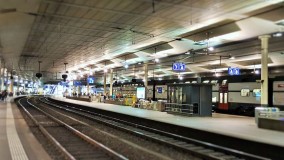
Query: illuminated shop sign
{"type": "Point", "coordinates": [233, 71]}
{"type": "Point", "coordinates": [178, 66]}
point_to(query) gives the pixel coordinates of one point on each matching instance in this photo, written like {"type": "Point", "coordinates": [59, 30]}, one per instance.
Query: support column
{"type": "Point", "coordinates": [79, 91]}
{"type": "Point", "coordinates": [105, 83]}
{"type": "Point", "coordinates": [18, 86]}
{"type": "Point", "coordinates": [264, 70]}
{"type": "Point", "coordinates": [2, 79]}
{"type": "Point", "coordinates": [7, 78]}
{"type": "Point", "coordinates": [88, 88]}
{"type": "Point", "coordinates": [111, 82]}
{"type": "Point", "coordinates": [146, 79]}
{"type": "Point", "coordinates": [11, 86]}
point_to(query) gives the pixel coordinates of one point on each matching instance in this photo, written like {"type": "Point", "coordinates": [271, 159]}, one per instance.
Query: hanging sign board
{"type": "Point", "coordinates": [91, 80]}
{"type": "Point", "coordinates": [178, 66]}
{"type": "Point", "coordinates": [233, 71]}
{"type": "Point", "coordinates": [160, 90]}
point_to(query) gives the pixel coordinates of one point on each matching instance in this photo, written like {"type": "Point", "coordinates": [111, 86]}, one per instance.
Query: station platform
{"type": "Point", "coordinates": [17, 142]}
{"type": "Point", "coordinates": [229, 125]}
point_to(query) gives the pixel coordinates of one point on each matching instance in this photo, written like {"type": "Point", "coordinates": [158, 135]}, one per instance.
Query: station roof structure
{"type": "Point", "coordinates": [93, 36]}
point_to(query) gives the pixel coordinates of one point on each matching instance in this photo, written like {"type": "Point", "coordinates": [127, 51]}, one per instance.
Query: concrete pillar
{"type": "Point", "coordinates": [11, 88]}
{"type": "Point", "coordinates": [2, 79]}
{"type": "Point", "coordinates": [264, 70]}
{"type": "Point", "coordinates": [18, 84]}
{"type": "Point", "coordinates": [105, 74]}
{"type": "Point", "coordinates": [110, 82]}
{"type": "Point", "coordinates": [79, 90]}
{"type": "Point", "coordinates": [88, 88]}
{"type": "Point", "coordinates": [7, 78]}
{"type": "Point", "coordinates": [146, 78]}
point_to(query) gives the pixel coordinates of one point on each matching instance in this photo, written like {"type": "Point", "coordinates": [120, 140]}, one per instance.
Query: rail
{"type": "Point", "coordinates": [198, 148]}
{"type": "Point", "coordinates": [74, 131]}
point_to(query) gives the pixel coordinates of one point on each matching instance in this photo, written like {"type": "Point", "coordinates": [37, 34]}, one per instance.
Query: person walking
{"type": "Point", "coordinates": [4, 95]}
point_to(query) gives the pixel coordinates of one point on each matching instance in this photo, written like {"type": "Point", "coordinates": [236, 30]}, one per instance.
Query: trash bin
{"type": "Point", "coordinates": [267, 110]}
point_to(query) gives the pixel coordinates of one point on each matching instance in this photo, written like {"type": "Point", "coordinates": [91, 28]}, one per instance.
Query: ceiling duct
{"type": "Point", "coordinates": [216, 29]}
{"type": "Point", "coordinates": [250, 62]}
{"type": "Point", "coordinates": [160, 46]}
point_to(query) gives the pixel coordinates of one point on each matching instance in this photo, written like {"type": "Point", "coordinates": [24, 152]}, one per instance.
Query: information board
{"type": "Point", "coordinates": [233, 71]}
{"type": "Point", "coordinates": [178, 66]}
{"type": "Point", "coordinates": [77, 83]}
{"type": "Point", "coordinates": [140, 92]}
{"type": "Point", "coordinates": [160, 89]}
{"type": "Point", "coordinates": [91, 80]}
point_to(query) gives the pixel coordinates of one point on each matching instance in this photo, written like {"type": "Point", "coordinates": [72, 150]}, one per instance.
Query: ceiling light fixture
{"type": "Point", "coordinates": [278, 34]}
{"type": "Point", "coordinates": [188, 53]}
{"type": "Point", "coordinates": [231, 57]}
{"type": "Point", "coordinates": [211, 48]}
{"type": "Point", "coordinates": [157, 60]}
{"type": "Point", "coordinates": [126, 66]}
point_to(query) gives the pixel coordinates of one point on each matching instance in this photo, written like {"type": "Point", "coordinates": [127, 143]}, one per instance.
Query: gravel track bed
{"type": "Point", "coordinates": [99, 132]}
{"type": "Point", "coordinates": [49, 148]}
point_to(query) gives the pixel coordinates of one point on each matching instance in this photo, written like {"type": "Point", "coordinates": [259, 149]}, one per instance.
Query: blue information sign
{"type": "Point", "coordinates": [178, 66]}
{"type": "Point", "coordinates": [233, 71]}
{"type": "Point", "coordinates": [91, 80]}
{"type": "Point", "coordinates": [77, 83]}
{"type": "Point", "coordinates": [160, 89]}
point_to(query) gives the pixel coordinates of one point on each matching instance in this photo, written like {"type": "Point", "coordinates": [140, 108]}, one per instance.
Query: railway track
{"type": "Point", "coordinates": [197, 148]}
{"type": "Point", "coordinates": [70, 141]}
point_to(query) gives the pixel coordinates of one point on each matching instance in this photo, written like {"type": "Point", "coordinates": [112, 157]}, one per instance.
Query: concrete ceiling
{"type": "Point", "coordinates": [93, 35]}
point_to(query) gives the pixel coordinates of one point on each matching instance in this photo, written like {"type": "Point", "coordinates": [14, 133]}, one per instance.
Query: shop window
{"type": "Point", "coordinates": [245, 92]}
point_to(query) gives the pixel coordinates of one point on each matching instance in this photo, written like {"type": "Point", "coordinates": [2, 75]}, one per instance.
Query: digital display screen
{"type": "Point", "coordinates": [91, 80]}
{"type": "Point", "coordinates": [140, 92]}
{"type": "Point", "coordinates": [77, 83]}
{"type": "Point", "coordinates": [178, 66]}
{"type": "Point", "coordinates": [233, 71]}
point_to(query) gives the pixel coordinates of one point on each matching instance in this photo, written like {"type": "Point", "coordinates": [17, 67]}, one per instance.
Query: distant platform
{"type": "Point", "coordinates": [230, 125]}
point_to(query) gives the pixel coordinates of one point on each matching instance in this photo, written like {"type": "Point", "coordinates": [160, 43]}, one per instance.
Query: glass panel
{"type": "Point", "coordinates": [224, 82]}
{"type": "Point", "coordinates": [256, 92]}
{"type": "Point", "coordinates": [225, 97]}
{"type": "Point", "coordinates": [245, 92]}
{"type": "Point", "coordinates": [221, 97]}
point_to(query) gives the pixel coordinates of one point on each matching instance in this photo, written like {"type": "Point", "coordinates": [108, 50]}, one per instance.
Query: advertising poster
{"type": "Point", "coordinates": [140, 92]}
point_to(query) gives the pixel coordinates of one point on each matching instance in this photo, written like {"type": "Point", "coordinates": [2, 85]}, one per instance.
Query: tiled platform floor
{"type": "Point", "coordinates": [16, 140]}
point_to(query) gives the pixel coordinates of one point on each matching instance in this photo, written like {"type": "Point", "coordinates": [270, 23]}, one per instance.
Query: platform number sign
{"type": "Point", "coordinates": [160, 89]}
{"type": "Point", "coordinates": [178, 66]}
{"type": "Point", "coordinates": [233, 71]}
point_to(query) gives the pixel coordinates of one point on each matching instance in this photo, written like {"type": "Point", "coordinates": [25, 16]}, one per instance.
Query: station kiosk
{"type": "Point", "coordinates": [193, 99]}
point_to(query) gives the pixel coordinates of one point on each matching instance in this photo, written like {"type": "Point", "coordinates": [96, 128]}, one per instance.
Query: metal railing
{"type": "Point", "coordinates": [182, 108]}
